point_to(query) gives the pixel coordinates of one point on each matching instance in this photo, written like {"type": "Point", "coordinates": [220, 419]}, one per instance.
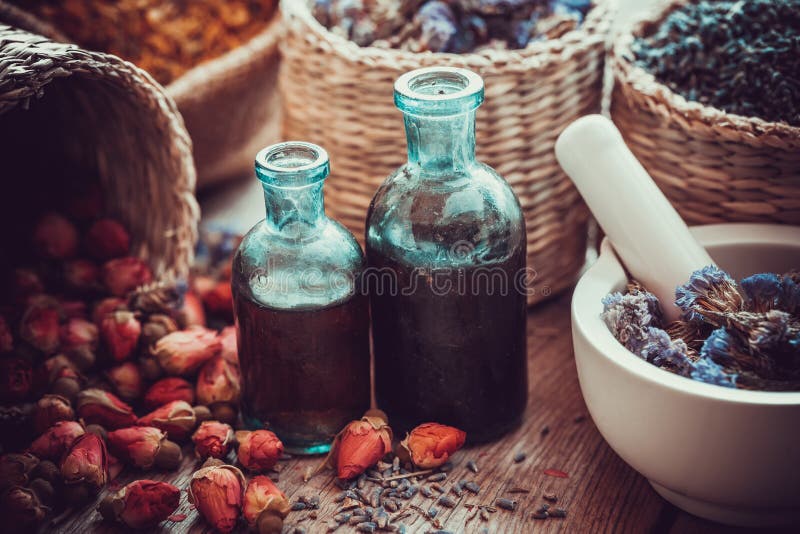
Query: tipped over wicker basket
{"type": "Point", "coordinates": [714, 166]}
{"type": "Point", "coordinates": [339, 95]}
{"type": "Point", "coordinates": [66, 113]}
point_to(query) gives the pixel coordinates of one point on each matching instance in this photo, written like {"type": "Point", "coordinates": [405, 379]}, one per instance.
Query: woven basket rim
{"type": "Point", "coordinates": [666, 102]}
{"type": "Point", "coordinates": [535, 56]}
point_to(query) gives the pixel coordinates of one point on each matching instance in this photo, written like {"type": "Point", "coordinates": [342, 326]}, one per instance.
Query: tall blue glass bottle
{"type": "Point", "coordinates": [445, 245]}
{"type": "Point", "coordinates": [302, 318]}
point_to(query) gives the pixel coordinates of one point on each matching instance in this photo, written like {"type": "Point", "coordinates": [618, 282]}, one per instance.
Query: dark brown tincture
{"type": "Point", "coordinates": [305, 373]}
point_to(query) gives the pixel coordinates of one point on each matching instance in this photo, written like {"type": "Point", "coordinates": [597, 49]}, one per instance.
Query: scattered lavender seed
{"type": "Point", "coordinates": [540, 515]}
{"type": "Point", "coordinates": [447, 502]}
{"type": "Point", "coordinates": [426, 491]}
{"type": "Point", "coordinates": [506, 504]}
{"type": "Point", "coordinates": [473, 487]}
{"type": "Point", "coordinates": [368, 511]}
{"type": "Point", "coordinates": [436, 477]}
{"type": "Point", "coordinates": [432, 512]}
{"type": "Point", "coordinates": [437, 487]}
{"type": "Point", "coordinates": [381, 519]}
{"type": "Point", "coordinates": [375, 498]}
{"type": "Point", "coordinates": [359, 511]}
{"type": "Point", "coordinates": [366, 527]}
{"type": "Point", "coordinates": [543, 508]}
{"type": "Point", "coordinates": [520, 457]}
{"type": "Point", "coordinates": [472, 466]}
{"type": "Point", "coordinates": [342, 518]}
{"type": "Point", "coordinates": [391, 505]}
{"type": "Point", "coordinates": [517, 489]}
{"type": "Point", "coordinates": [358, 519]}
{"type": "Point", "coordinates": [558, 512]}
{"type": "Point", "coordinates": [393, 483]}
{"type": "Point", "coordinates": [298, 506]}
{"type": "Point", "coordinates": [457, 490]}
{"type": "Point", "coordinates": [549, 496]}
{"type": "Point", "coordinates": [396, 464]}
{"type": "Point", "coordinates": [314, 501]}
{"type": "Point", "coordinates": [404, 485]}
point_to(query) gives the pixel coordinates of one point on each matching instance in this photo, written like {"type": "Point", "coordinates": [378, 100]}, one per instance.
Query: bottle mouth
{"type": "Point", "coordinates": [438, 91]}
{"type": "Point", "coordinates": [292, 164]}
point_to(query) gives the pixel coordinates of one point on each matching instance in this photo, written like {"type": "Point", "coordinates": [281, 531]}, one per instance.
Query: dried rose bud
{"type": "Point", "coordinates": [39, 325]}
{"type": "Point", "coordinates": [81, 275]}
{"type": "Point", "coordinates": [430, 445]}
{"type": "Point", "coordinates": [191, 313]}
{"type": "Point", "coordinates": [120, 332]}
{"type": "Point", "coordinates": [141, 504]}
{"type": "Point", "coordinates": [97, 430]}
{"type": "Point", "coordinates": [60, 376]}
{"type": "Point", "coordinates": [157, 326]}
{"type": "Point", "coordinates": [79, 339]}
{"type": "Point", "coordinates": [123, 275]}
{"type": "Point", "coordinates": [107, 239]}
{"type": "Point", "coordinates": [15, 469]}
{"type": "Point", "coordinates": [126, 380]}
{"type": "Point", "coordinates": [54, 237]}
{"type": "Point", "coordinates": [217, 491]}
{"type": "Point", "coordinates": [360, 445]}
{"type": "Point", "coordinates": [103, 408]}
{"type": "Point", "coordinates": [47, 470]}
{"type": "Point", "coordinates": [86, 462]}
{"type": "Point", "coordinates": [227, 338]}
{"type": "Point", "coordinates": [218, 381]}
{"type": "Point", "coordinates": [26, 282]}
{"type": "Point", "coordinates": [56, 440]}
{"type": "Point", "coordinates": [202, 413]}
{"type": "Point", "coordinates": [106, 306]}
{"type": "Point", "coordinates": [220, 299]}
{"type": "Point", "coordinates": [144, 447]}
{"type": "Point", "coordinates": [259, 450]}
{"type": "Point", "coordinates": [16, 378]}
{"type": "Point", "coordinates": [167, 390]}
{"type": "Point", "coordinates": [176, 418]}
{"type": "Point", "coordinates": [213, 439]}
{"type": "Point", "coordinates": [49, 410]}
{"type": "Point", "coordinates": [6, 339]}
{"type": "Point", "coordinates": [22, 509]}
{"type": "Point", "coordinates": [115, 467]}
{"type": "Point", "coordinates": [183, 352]}
{"type": "Point", "coordinates": [265, 505]}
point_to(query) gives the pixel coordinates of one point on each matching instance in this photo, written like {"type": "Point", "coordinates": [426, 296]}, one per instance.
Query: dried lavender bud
{"type": "Point", "coordinates": [540, 514]}
{"type": "Point", "coordinates": [447, 501]}
{"type": "Point", "coordinates": [296, 507]}
{"type": "Point", "coordinates": [437, 487]}
{"type": "Point", "coordinates": [472, 487]}
{"type": "Point", "coordinates": [506, 504]}
{"type": "Point", "coordinates": [472, 466]}
{"type": "Point", "coordinates": [558, 512]}
{"type": "Point", "coordinates": [366, 527]}
{"type": "Point", "coordinates": [709, 292]}
{"type": "Point", "coordinates": [432, 512]}
{"type": "Point", "coordinates": [520, 457]}
{"type": "Point", "coordinates": [426, 491]}
{"type": "Point", "coordinates": [629, 316]}
{"type": "Point", "coordinates": [342, 518]}
{"type": "Point", "coordinates": [381, 519]}
{"type": "Point", "coordinates": [437, 477]}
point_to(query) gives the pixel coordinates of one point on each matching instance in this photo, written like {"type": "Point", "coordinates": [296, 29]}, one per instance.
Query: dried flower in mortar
{"type": "Point", "coordinates": [16, 378]}
{"type": "Point", "coordinates": [229, 351]}
{"type": "Point", "coordinates": [16, 469]}
{"type": "Point", "coordinates": [56, 440]}
{"type": "Point", "coordinates": [629, 315]}
{"type": "Point", "coordinates": [79, 339]}
{"type": "Point", "coordinates": [127, 380]}
{"type": "Point", "coordinates": [176, 418]}
{"type": "Point", "coordinates": [86, 463]}
{"type": "Point", "coordinates": [218, 382]}
{"type": "Point", "coordinates": [768, 291]}
{"type": "Point", "coordinates": [183, 352]}
{"type": "Point", "coordinates": [81, 276]}
{"type": "Point", "coordinates": [259, 450]}
{"type": "Point", "coordinates": [145, 447]}
{"type": "Point", "coordinates": [106, 306]}
{"type": "Point", "coordinates": [123, 275]}
{"type": "Point", "coordinates": [360, 445]}
{"type": "Point", "coordinates": [107, 239]}
{"type": "Point", "coordinates": [141, 504]}
{"type": "Point", "coordinates": [157, 326]}
{"type": "Point", "coordinates": [105, 409]}
{"type": "Point", "coordinates": [55, 237]}
{"type": "Point", "coordinates": [49, 410]}
{"type": "Point", "coordinates": [709, 292]}
{"type": "Point", "coordinates": [217, 491]}
{"type": "Point", "coordinates": [22, 509]}
{"type": "Point", "coordinates": [265, 506]}
{"type": "Point", "coordinates": [430, 445]}
{"type": "Point", "coordinates": [212, 439]}
{"type": "Point", "coordinates": [40, 323]}
{"type": "Point", "coordinates": [166, 390]}
{"type": "Point", "coordinates": [120, 331]}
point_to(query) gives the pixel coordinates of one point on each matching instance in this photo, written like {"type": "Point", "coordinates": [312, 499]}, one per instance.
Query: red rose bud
{"type": "Point", "coordinates": [265, 506]}
{"type": "Point", "coordinates": [220, 299]}
{"type": "Point", "coordinates": [216, 490]}
{"type": "Point", "coordinates": [167, 390]}
{"type": "Point", "coordinates": [22, 510]}
{"type": "Point", "coordinates": [227, 338]}
{"type": "Point", "coordinates": [191, 313]}
{"type": "Point", "coordinates": [16, 469]}
{"type": "Point", "coordinates": [120, 331]}
{"type": "Point", "coordinates": [157, 326]}
{"type": "Point", "coordinates": [107, 239]}
{"type": "Point", "coordinates": [86, 462]}
{"type": "Point", "coordinates": [54, 237]}
{"type": "Point", "coordinates": [141, 504]}
{"type": "Point", "coordinates": [49, 410]}
{"type": "Point", "coordinates": [39, 325]}
{"type": "Point", "coordinates": [6, 339]}
{"type": "Point", "coordinates": [360, 445]}
{"type": "Point", "coordinates": [56, 440]}
{"type": "Point", "coordinates": [96, 406]}
{"type": "Point", "coordinates": [176, 418]}
{"type": "Point", "coordinates": [144, 447]}
{"type": "Point", "coordinates": [430, 445]}
{"type": "Point", "coordinates": [79, 341]}
{"type": "Point", "coordinates": [81, 275]}
{"type": "Point", "coordinates": [123, 275]}
{"type": "Point", "coordinates": [213, 439]}
{"type": "Point", "coordinates": [16, 378]}
{"type": "Point", "coordinates": [218, 381]}
{"type": "Point", "coordinates": [126, 380]}
{"type": "Point", "coordinates": [26, 282]}
{"type": "Point", "coordinates": [259, 450]}
{"type": "Point", "coordinates": [183, 352]}
{"type": "Point", "coordinates": [60, 376]}
{"type": "Point", "coordinates": [107, 306]}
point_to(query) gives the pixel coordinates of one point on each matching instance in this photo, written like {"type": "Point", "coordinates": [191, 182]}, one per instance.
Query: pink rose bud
{"type": "Point", "coordinates": [217, 491]}
{"type": "Point", "coordinates": [86, 462]}
{"type": "Point", "coordinates": [107, 239]}
{"type": "Point", "coordinates": [56, 440]}
{"type": "Point", "coordinates": [49, 410]}
{"type": "Point", "coordinates": [184, 351]}
{"type": "Point", "coordinates": [126, 380]}
{"type": "Point", "coordinates": [79, 339]}
{"type": "Point", "coordinates": [141, 504]}
{"type": "Point", "coordinates": [176, 418]}
{"type": "Point", "coordinates": [54, 237]}
{"type": "Point", "coordinates": [218, 381]}
{"type": "Point", "coordinates": [120, 332]}
{"type": "Point", "coordinates": [167, 390]}
{"type": "Point", "coordinates": [144, 447]}
{"type": "Point", "coordinates": [96, 406]}
{"type": "Point", "coordinates": [123, 275]}
{"type": "Point", "coordinates": [259, 450]}
{"type": "Point", "coordinates": [212, 439]}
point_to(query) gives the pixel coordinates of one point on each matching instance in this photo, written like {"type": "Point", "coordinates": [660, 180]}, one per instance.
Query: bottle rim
{"type": "Point", "coordinates": [292, 164]}
{"type": "Point", "coordinates": [438, 91]}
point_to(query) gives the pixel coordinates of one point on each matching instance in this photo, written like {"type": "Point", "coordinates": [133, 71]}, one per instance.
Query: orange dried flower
{"type": "Point", "coordinates": [86, 462]}
{"type": "Point", "coordinates": [123, 275]}
{"type": "Point", "coordinates": [144, 447]}
{"type": "Point", "coordinates": [218, 381]}
{"type": "Point", "coordinates": [212, 439]}
{"type": "Point", "coordinates": [176, 418]}
{"type": "Point", "coordinates": [265, 505]}
{"type": "Point", "coordinates": [430, 445]}
{"type": "Point", "coordinates": [141, 504]}
{"type": "Point", "coordinates": [54, 237]}
{"type": "Point", "coordinates": [51, 409]}
{"type": "Point", "coordinates": [183, 352]}
{"type": "Point", "coordinates": [217, 491]}
{"type": "Point", "coordinates": [127, 380]}
{"type": "Point", "coordinates": [259, 450]}
{"type": "Point", "coordinates": [360, 445]}
{"type": "Point", "coordinates": [96, 406]}
{"type": "Point", "coordinates": [56, 440]}
{"type": "Point", "coordinates": [167, 390]}
{"type": "Point", "coordinates": [120, 331]}
{"type": "Point", "coordinates": [107, 239]}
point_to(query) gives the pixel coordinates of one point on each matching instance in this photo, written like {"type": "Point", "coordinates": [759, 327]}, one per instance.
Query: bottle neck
{"type": "Point", "coordinates": [441, 145]}
{"type": "Point", "coordinates": [294, 212]}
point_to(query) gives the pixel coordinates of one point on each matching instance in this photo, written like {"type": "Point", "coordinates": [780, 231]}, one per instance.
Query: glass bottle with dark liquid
{"type": "Point", "coordinates": [446, 255]}
{"type": "Point", "coordinates": [302, 318]}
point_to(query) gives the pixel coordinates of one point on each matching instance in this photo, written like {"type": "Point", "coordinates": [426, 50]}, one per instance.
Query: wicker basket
{"type": "Point", "coordinates": [714, 166]}
{"type": "Point", "coordinates": [339, 95]}
{"type": "Point", "coordinates": [66, 113]}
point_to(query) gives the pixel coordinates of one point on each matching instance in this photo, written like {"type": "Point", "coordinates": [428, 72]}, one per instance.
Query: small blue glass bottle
{"type": "Point", "coordinates": [302, 318]}
{"type": "Point", "coordinates": [445, 244]}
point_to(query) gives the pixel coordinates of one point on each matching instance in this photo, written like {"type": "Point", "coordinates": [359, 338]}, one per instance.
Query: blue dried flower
{"type": "Point", "coordinates": [628, 316]}
{"type": "Point", "coordinates": [708, 292]}
{"type": "Point", "coordinates": [777, 336]}
{"type": "Point", "coordinates": [659, 349]}
{"type": "Point", "coordinates": [707, 370]}
{"type": "Point", "coordinates": [790, 288]}
{"type": "Point", "coordinates": [763, 292]}
{"type": "Point", "coordinates": [720, 346]}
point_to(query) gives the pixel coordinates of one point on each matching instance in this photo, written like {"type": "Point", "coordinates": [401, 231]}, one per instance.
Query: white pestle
{"type": "Point", "coordinates": [648, 235]}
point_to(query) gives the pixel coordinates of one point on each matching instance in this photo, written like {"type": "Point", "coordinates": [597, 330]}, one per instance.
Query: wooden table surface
{"type": "Point", "coordinates": [601, 494]}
